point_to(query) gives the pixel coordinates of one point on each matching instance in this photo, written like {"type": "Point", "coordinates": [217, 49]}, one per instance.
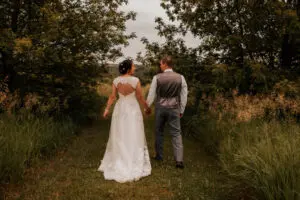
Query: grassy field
{"type": "Point", "coordinates": [25, 138]}
{"type": "Point", "coordinates": [227, 159]}
{"type": "Point", "coordinates": [72, 173]}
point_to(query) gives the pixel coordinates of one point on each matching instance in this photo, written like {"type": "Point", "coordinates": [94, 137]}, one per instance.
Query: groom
{"type": "Point", "coordinates": [169, 91]}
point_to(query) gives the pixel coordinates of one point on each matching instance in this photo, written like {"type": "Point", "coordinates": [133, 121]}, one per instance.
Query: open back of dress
{"type": "Point", "coordinates": [126, 85]}
{"type": "Point", "coordinates": [125, 89]}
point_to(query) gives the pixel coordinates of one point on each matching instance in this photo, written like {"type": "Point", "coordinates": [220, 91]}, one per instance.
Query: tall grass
{"type": "Point", "coordinates": [256, 140]}
{"type": "Point", "coordinates": [259, 159]}
{"type": "Point", "coordinates": [24, 138]}
{"type": "Point", "coordinates": [262, 161]}
{"type": "Point", "coordinates": [246, 107]}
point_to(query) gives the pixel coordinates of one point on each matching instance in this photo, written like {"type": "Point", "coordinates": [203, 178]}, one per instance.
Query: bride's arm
{"type": "Point", "coordinates": [110, 100]}
{"type": "Point", "coordinates": [140, 97]}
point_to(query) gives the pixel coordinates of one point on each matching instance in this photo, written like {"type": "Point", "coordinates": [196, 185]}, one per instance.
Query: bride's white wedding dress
{"type": "Point", "coordinates": [126, 157]}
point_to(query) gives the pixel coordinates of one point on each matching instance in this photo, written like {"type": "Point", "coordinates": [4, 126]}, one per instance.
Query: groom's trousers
{"type": "Point", "coordinates": [172, 117]}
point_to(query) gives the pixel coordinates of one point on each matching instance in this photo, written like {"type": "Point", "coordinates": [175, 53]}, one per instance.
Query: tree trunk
{"type": "Point", "coordinates": [8, 70]}
{"type": "Point", "coordinates": [298, 8]}
{"type": "Point", "coordinates": [286, 58]}
{"type": "Point", "coordinates": [15, 15]}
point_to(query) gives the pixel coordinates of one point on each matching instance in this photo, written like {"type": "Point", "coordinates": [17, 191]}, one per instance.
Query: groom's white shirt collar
{"type": "Point", "coordinates": [168, 70]}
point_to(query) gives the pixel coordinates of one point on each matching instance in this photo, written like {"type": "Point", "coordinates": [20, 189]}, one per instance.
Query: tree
{"type": "Point", "coordinates": [250, 40]}
{"type": "Point", "coordinates": [59, 47]}
{"type": "Point", "coordinates": [290, 50]}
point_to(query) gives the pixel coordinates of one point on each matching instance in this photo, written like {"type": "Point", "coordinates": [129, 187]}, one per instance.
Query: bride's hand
{"type": "Point", "coordinates": [106, 112]}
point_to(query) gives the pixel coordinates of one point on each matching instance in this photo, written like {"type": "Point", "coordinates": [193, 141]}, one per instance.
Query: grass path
{"type": "Point", "coordinates": [72, 173]}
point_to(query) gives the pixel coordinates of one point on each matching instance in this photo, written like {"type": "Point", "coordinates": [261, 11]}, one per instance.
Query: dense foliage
{"type": "Point", "coordinates": [244, 45]}
{"type": "Point", "coordinates": [56, 49]}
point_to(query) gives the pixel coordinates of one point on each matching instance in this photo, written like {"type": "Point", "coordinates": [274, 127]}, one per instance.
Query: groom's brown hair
{"type": "Point", "coordinates": [168, 61]}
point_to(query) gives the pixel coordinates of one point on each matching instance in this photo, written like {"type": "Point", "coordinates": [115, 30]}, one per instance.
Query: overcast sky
{"type": "Point", "coordinates": [144, 25]}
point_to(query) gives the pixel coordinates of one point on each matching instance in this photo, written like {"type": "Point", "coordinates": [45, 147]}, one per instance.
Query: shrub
{"type": "Point", "coordinates": [246, 107]}
{"type": "Point", "coordinates": [81, 105]}
{"type": "Point", "coordinates": [85, 105]}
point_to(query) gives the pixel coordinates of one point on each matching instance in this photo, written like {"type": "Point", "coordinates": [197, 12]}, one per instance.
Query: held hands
{"type": "Point", "coordinates": [148, 111]}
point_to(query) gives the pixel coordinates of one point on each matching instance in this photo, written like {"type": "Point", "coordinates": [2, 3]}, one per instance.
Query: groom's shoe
{"type": "Point", "coordinates": [179, 165]}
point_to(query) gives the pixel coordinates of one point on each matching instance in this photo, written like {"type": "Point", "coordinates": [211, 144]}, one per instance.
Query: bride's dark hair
{"type": "Point", "coordinates": [125, 66]}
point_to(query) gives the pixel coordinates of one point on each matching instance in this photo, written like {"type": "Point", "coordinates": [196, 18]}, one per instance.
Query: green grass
{"type": "Point", "coordinates": [262, 161]}
{"type": "Point", "coordinates": [73, 174]}
{"type": "Point", "coordinates": [250, 160]}
{"type": "Point", "coordinates": [25, 138]}
{"type": "Point", "coordinates": [259, 159]}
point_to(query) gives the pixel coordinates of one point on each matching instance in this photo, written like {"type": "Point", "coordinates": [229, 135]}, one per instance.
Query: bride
{"type": "Point", "coordinates": [126, 157]}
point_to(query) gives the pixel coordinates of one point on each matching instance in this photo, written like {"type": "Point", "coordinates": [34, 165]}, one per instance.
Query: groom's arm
{"type": "Point", "coordinates": [152, 92]}
{"type": "Point", "coordinates": [183, 95]}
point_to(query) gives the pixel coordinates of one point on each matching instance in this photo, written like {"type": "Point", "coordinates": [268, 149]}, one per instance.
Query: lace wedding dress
{"type": "Point", "coordinates": [126, 157]}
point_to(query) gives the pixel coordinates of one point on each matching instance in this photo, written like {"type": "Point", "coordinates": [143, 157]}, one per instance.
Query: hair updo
{"type": "Point", "coordinates": [125, 66]}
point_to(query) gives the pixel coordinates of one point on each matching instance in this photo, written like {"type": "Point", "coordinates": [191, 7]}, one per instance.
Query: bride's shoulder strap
{"type": "Point", "coordinates": [116, 82]}
{"type": "Point", "coordinates": [135, 81]}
